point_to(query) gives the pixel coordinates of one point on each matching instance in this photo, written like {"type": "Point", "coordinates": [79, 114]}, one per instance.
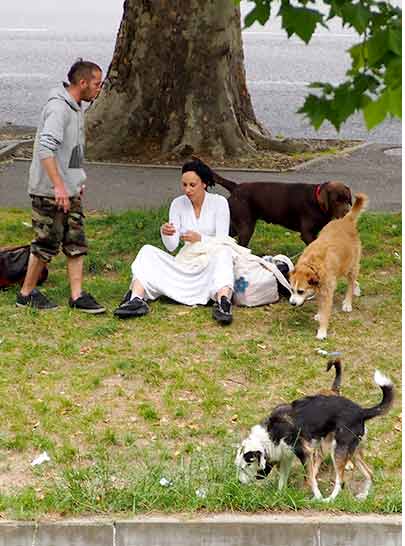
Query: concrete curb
{"type": "Point", "coordinates": [328, 157]}
{"type": "Point", "coordinates": [217, 530]}
{"type": "Point", "coordinates": [7, 147]}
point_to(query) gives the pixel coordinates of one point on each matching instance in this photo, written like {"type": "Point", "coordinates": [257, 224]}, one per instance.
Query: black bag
{"type": "Point", "coordinates": [13, 266]}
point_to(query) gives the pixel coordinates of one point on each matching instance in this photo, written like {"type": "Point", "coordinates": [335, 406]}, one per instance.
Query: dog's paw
{"type": "Point", "coordinates": [347, 307]}
{"type": "Point", "coordinates": [328, 499]}
{"type": "Point", "coordinates": [357, 290]}
{"type": "Point", "coordinates": [317, 317]}
{"type": "Point", "coordinates": [321, 334]}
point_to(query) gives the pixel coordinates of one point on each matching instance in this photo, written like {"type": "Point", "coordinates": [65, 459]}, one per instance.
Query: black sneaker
{"type": "Point", "coordinates": [86, 303]}
{"type": "Point", "coordinates": [222, 311]}
{"type": "Point", "coordinates": [137, 307]}
{"type": "Point", "coordinates": [36, 300]}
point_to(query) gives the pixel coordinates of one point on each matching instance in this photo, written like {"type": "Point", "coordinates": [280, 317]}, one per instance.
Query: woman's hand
{"type": "Point", "coordinates": [168, 229]}
{"type": "Point", "coordinates": [191, 237]}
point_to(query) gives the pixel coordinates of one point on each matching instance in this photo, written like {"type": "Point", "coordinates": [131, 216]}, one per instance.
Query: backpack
{"type": "Point", "coordinates": [256, 280]}
{"type": "Point", "coordinates": [13, 266]}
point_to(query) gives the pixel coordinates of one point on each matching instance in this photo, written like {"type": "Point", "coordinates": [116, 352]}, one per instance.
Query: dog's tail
{"type": "Point", "coordinates": [360, 204]}
{"type": "Point", "coordinates": [227, 184]}
{"type": "Point", "coordinates": [337, 382]}
{"type": "Point", "coordinates": [387, 388]}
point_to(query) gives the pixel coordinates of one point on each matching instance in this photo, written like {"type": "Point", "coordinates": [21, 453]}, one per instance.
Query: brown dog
{"type": "Point", "coordinates": [300, 207]}
{"type": "Point", "coordinates": [334, 254]}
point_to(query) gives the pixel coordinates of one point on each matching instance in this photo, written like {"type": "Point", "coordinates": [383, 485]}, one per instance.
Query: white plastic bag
{"type": "Point", "coordinates": [256, 280]}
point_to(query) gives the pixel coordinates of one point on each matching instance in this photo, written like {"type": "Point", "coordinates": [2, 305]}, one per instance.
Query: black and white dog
{"type": "Point", "coordinates": [299, 429]}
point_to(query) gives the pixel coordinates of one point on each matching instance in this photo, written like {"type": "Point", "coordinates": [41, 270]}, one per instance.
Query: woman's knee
{"type": "Point", "coordinates": [143, 256]}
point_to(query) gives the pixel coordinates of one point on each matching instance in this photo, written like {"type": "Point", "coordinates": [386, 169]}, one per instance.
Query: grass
{"type": "Point", "coordinates": [120, 404]}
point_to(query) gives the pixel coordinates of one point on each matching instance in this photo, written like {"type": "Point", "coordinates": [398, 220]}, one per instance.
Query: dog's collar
{"type": "Point", "coordinates": [317, 192]}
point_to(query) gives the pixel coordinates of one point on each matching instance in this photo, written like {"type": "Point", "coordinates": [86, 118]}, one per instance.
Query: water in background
{"type": "Point", "coordinates": [34, 59]}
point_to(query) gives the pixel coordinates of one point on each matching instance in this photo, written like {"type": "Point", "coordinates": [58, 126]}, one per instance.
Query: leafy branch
{"type": "Point", "coordinates": [373, 83]}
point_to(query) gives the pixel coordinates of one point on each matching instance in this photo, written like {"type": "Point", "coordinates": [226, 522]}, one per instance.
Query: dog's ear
{"type": "Point", "coordinates": [261, 460]}
{"type": "Point", "coordinates": [323, 197]}
{"type": "Point", "coordinates": [349, 195]}
{"type": "Point", "coordinates": [313, 281]}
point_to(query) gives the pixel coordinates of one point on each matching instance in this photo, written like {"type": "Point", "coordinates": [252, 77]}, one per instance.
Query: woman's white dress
{"type": "Point", "coordinates": [160, 273]}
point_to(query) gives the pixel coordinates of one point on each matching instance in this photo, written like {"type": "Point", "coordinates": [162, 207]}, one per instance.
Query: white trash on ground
{"type": "Point", "coordinates": [164, 482]}
{"type": "Point", "coordinates": [43, 458]}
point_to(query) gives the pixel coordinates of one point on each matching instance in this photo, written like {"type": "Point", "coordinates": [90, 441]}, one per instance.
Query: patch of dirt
{"type": "Point", "coordinates": [269, 160]}
{"type": "Point", "coordinates": [16, 471]}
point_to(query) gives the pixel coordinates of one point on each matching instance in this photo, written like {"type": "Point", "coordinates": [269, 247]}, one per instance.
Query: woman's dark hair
{"type": "Point", "coordinates": [200, 168]}
{"type": "Point", "coordinates": [82, 70]}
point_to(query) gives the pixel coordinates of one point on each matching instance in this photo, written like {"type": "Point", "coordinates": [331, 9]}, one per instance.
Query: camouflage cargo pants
{"type": "Point", "coordinates": [54, 228]}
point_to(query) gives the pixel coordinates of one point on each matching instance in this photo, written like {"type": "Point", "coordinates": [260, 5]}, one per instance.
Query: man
{"type": "Point", "coordinates": [56, 186]}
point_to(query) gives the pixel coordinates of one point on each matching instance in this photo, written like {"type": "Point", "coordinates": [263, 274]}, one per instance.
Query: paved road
{"type": "Point", "coordinates": [112, 187]}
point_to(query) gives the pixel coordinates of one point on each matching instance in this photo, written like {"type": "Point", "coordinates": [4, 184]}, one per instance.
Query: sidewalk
{"type": "Point", "coordinates": [214, 530]}
{"type": "Point", "coordinates": [120, 187]}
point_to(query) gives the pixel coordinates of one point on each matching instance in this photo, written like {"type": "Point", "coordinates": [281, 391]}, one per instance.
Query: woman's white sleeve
{"type": "Point", "coordinates": [171, 241]}
{"type": "Point", "coordinates": [222, 218]}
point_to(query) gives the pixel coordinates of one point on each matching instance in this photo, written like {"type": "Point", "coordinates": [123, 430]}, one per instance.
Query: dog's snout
{"type": "Point", "coordinates": [292, 301]}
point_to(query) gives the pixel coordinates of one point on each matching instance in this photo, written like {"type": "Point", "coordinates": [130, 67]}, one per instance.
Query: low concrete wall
{"type": "Point", "coordinates": [219, 530]}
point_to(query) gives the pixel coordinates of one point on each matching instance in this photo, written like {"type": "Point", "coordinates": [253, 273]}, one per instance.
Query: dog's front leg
{"type": "Point", "coordinates": [284, 472]}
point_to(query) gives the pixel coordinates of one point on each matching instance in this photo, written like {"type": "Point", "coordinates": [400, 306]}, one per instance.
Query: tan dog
{"type": "Point", "coordinates": [333, 255]}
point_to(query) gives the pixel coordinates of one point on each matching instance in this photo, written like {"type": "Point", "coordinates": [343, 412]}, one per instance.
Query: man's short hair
{"type": "Point", "coordinates": [82, 70]}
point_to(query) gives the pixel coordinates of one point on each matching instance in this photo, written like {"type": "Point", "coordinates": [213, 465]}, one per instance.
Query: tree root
{"type": "Point", "coordinates": [284, 146]}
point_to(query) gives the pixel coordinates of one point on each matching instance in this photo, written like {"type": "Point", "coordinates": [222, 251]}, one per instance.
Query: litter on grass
{"type": "Point", "coordinates": [164, 482]}
{"type": "Point", "coordinates": [43, 458]}
{"type": "Point", "coordinates": [328, 353]}
{"type": "Point", "coordinates": [201, 493]}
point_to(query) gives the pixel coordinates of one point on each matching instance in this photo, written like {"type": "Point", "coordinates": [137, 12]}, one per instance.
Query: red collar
{"type": "Point", "coordinates": [317, 192]}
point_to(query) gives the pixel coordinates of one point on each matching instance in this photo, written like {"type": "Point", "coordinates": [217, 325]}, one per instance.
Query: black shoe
{"type": "Point", "coordinates": [86, 303]}
{"type": "Point", "coordinates": [222, 311]}
{"type": "Point", "coordinates": [36, 300]}
{"type": "Point", "coordinates": [126, 298]}
{"type": "Point", "coordinates": [137, 307]}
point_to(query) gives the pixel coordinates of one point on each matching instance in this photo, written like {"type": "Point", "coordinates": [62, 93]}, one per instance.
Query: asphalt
{"type": "Point", "coordinates": [374, 169]}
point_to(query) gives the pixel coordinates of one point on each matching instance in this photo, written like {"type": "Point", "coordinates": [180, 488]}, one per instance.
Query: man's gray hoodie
{"type": "Point", "coordinates": [60, 135]}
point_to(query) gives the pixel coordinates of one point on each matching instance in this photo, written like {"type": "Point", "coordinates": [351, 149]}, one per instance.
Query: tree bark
{"type": "Point", "coordinates": [176, 84]}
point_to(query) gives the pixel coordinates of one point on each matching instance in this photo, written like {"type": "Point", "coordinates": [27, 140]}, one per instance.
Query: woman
{"type": "Point", "coordinates": [195, 216]}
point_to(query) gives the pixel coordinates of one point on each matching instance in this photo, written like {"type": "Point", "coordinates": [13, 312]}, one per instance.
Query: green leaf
{"type": "Point", "coordinates": [346, 101]}
{"type": "Point", "coordinates": [358, 54]}
{"type": "Point", "coordinates": [356, 15]}
{"type": "Point", "coordinates": [377, 47]}
{"type": "Point", "coordinates": [393, 73]}
{"type": "Point", "coordinates": [325, 86]}
{"type": "Point", "coordinates": [395, 102]}
{"type": "Point", "coordinates": [260, 13]}
{"type": "Point", "coordinates": [300, 21]}
{"type": "Point", "coordinates": [376, 111]}
{"type": "Point", "coordinates": [315, 109]}
{"type": "Point", "coordinates": [395, 40]}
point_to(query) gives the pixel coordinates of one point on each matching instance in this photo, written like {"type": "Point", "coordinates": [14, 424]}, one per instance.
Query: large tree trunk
{"type": "Point", "coordinates": [176, 84]}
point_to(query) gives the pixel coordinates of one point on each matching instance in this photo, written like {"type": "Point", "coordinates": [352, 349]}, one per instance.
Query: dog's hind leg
{"type": "Point", "coordinates": [367, 473]}
{"type": "Point", "coordinates": [313, 464]}
{"type": "Point", "coordinates": [325, 309]}
{"type": "Point", "coordinates": [353, 287]}
{"type": "Point", "coordinates": [340, 456]}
